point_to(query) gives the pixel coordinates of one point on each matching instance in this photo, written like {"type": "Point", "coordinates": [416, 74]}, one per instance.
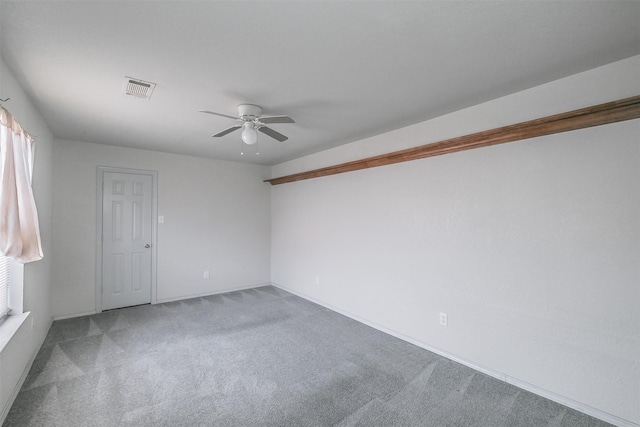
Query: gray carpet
{"type": "Point", "coordinates": [259, 357]}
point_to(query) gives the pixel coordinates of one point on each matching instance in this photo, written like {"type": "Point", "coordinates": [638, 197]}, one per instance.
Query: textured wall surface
{"type": "Point", "coordinates": [216, 219]}
{"type": "Point", "coordinates": [531, 248]}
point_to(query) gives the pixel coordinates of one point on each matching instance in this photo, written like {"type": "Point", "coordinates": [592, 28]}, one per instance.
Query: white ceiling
{"type": "Point", "coordinates": [343, 70]}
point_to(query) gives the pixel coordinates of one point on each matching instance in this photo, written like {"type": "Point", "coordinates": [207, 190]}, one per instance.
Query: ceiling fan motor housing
{"type": "Point", "coordinates": [249, 112]}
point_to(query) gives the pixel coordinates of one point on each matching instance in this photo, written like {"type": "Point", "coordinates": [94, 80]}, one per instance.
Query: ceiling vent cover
{"type": "Point", "coordinates": [138, 88]}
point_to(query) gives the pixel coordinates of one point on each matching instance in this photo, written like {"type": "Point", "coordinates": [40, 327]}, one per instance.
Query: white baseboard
{"type": "Point", "coordinates": [206, 294]}
{"type": "Point", "coordinates": [71, 316]}
{"type": "Point", "coordinates": [563, 400]}
{"type": "Point", "coordinates": [180, 298]}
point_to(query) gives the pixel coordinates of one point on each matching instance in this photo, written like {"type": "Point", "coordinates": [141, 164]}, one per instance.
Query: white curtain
{"type": "Point", "coordinates": [19, 228]}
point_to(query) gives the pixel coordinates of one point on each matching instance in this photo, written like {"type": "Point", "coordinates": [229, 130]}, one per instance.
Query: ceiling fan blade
{"type": "Point", "coordinates": [218, 114]}
{"type": "Point", "coordinates": [276, 119]}
{"type": "Point", "coordinates": [272, 133]}
{"type": "Point", "coordinates": [226, 131]}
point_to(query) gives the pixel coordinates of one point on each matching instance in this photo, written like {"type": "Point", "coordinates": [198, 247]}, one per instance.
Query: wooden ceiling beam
{"type": "Point", "coordinates": [597, 115]}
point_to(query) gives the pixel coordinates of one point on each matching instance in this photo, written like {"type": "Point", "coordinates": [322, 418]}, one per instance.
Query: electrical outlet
{"type": "Point", "coordinates": [206, 274]}
{"type": "Point", "coordinates": [161, 219]}
{"type": "Point", "coordinates": [317, 280]}
{"type": "Point", "coordinates": [444, 319]}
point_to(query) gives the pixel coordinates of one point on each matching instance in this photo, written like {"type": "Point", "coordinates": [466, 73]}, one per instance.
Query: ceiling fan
{"type": "Point", "coordinates": [252, 121]}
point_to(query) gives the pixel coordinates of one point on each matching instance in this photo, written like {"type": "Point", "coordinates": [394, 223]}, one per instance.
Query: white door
{"type": "Point", "coordinates": [126, 239]}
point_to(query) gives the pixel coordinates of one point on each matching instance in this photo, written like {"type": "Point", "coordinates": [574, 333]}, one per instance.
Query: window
{"type": "Point", "coordinates": [5, 282]}
{"type": "Point", "coordinates": [19, 229]}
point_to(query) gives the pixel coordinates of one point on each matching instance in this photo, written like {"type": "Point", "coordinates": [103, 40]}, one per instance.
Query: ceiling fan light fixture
{"type": "Point", "coordinates": [251, 121]}
{"type": "Point", "coordinates": [249, 133]}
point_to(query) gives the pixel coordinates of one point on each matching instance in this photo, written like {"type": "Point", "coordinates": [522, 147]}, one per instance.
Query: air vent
{"type": "Point", "coordinates": [138, 88]}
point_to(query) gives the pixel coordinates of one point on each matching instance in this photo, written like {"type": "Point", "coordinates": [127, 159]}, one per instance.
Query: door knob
{"type": "Point", "coordinates": [147, 246]}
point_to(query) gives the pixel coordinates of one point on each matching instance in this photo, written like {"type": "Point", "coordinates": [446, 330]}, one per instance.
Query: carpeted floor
{"type": "Point", "coordinates": [259, 357]}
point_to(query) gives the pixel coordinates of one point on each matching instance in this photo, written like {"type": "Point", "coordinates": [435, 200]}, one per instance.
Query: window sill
{"type": "Point", "coordinates": [9, 326]}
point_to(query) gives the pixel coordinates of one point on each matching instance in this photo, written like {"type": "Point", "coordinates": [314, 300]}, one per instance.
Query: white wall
{"type": "Point", "coordinates": [532, 247]}
{"type": "Point", "coordinates": [217, 218]}
{"type": "Point", "coordinates": [16, 357]}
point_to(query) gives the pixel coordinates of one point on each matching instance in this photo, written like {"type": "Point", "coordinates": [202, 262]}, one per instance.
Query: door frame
{"type": "Point", "coordinates": [154, 227]}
